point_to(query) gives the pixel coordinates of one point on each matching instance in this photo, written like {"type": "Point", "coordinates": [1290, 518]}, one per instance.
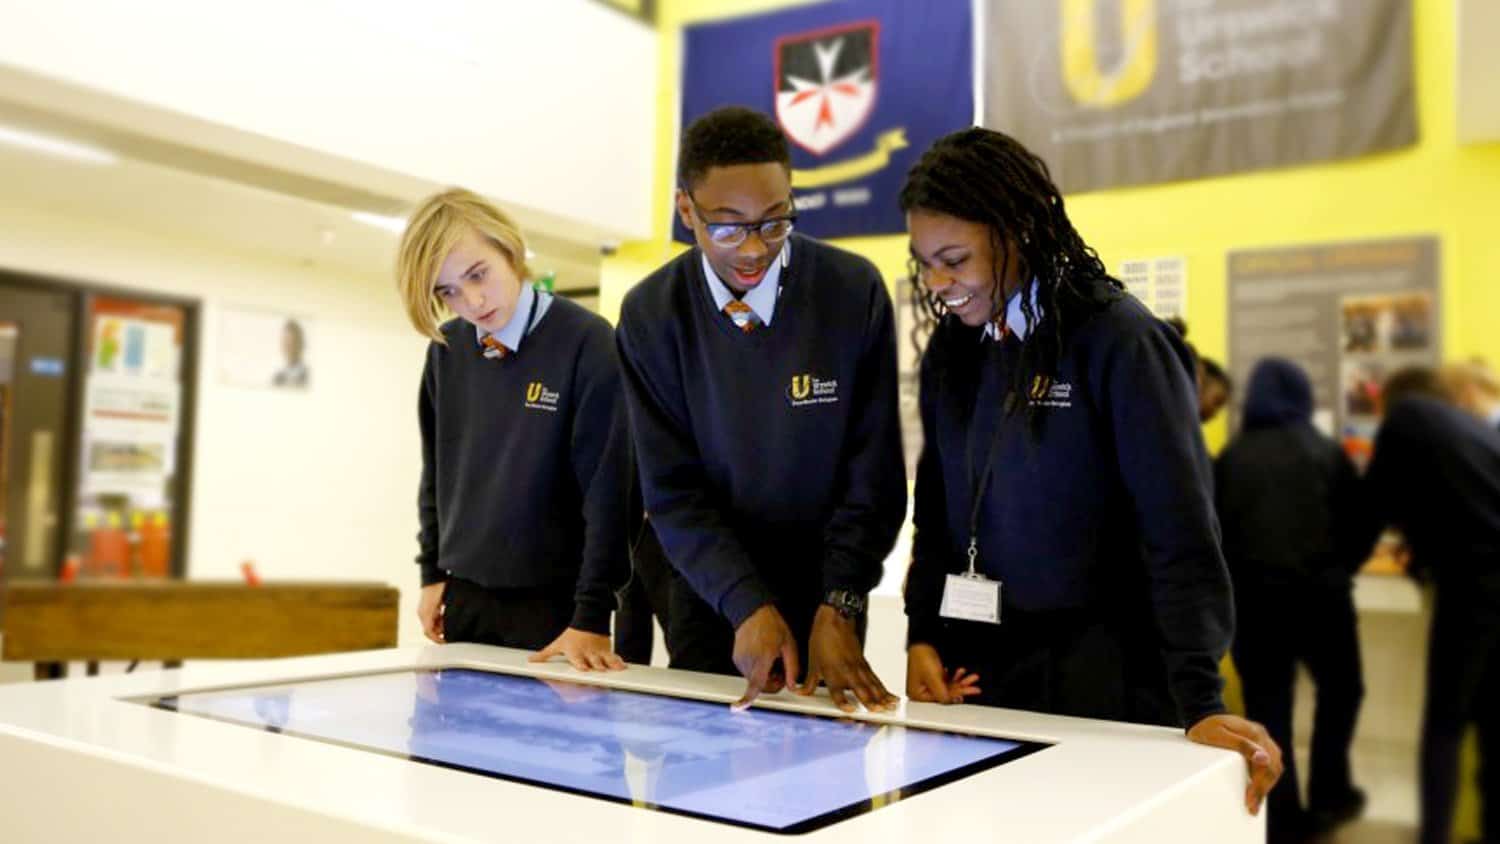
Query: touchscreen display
{"type": "Point", "coordinates": [775, 771]}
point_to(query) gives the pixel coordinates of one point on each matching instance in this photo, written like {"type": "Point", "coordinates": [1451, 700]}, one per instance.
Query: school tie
{"type": "Point", "coordinates": [494, 348]}
{"type": "Point", "coordinates": [742, 315]}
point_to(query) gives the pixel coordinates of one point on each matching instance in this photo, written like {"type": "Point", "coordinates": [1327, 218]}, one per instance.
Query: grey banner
{"type": "Point", "coordinates": [1349, 313]}
{"type": "Point", "coordinates": [1123, 92]}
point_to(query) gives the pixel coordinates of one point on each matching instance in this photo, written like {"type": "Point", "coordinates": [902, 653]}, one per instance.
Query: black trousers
{"type": "Point", "coordinates": [1463, 687]}
{"type": "Point", "coordinates": [647, 595]}
{"type": "Point", "coordinates": [513, 618]}
{"type": "Point", "coordinates": [1313, 624]}
{"type": "Point", "coordinates": [1085, 663]}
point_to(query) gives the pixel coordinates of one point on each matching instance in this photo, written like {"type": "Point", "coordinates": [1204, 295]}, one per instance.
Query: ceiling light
{"type": "Point", "coordinates": [395, 225]}
{"type": "Point", "coordinates": [59, 147]}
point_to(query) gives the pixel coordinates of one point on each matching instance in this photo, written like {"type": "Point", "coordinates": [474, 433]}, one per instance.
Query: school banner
{"type": "Point", "coordinates": [1126, 92]}
{"type": "Point", "coordinates": [860, 87]}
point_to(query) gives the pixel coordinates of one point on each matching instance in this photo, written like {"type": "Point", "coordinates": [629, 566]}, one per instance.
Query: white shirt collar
{"type": "Point", "coordinates": [762, 297]}
{"type": "Point", "coordinates": [1495, 416]}
{"type": "Point", "coordinates": [514, 331]}
{"type": "Point", "coordinates": [1015, 318]}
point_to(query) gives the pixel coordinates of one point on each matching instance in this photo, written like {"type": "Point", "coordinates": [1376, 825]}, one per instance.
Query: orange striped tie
{"type": "Point", "coordinates": [742, 315]}
{"type": "Point", "coordinates": [494, 348]}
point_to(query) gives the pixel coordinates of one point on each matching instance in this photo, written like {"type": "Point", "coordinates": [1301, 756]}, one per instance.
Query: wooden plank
{"type": "Point", "coordinates": [173, 620]}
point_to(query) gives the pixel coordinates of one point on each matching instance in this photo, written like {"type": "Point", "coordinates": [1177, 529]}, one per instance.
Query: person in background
{"type": "Point", "coordinates": [1287, 498]}
{"type": "Point", "coordinates": [526, 466]}
{"type": "Point", "coordinates": [760, 368]}
{"type": "Point", "coordinates": [1066, 557]}
{"type": "Point", "coordinates": [1214, 389]}
{"type": "Point", "coordinates": [1212, 382]}
{"type": "Point", "coordinates": [1435, 474]}
{"type": "Point", "coordinates": [1474, 386]}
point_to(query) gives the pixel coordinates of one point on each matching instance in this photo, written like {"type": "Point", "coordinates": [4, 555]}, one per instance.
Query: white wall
{"type": "Point", "coordinates": [320, 485]}
{"type": "Point", "coordinates": [547, 105]}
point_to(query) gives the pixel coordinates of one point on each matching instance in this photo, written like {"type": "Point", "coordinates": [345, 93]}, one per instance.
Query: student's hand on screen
{"type": "Point", "coordinates": [835, 656]}
{"type": "Point", "coordinates": [585, 651]}
{"type": "Point", "coordinates": [430, 610]}
{"type": "Point", "coordinates": [759, 642]}
{"type": "Point", "coordinates": [1251, 741]}
{"type": "Point", "coordinates": [929, 682]}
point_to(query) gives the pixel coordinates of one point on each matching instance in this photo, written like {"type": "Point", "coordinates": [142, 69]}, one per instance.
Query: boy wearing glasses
{"type": "Point", "coordinates": [760, 376]}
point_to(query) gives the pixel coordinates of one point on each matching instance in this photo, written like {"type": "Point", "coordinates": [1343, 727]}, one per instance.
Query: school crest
{"type": "Point", "coordinates": [826, 83]}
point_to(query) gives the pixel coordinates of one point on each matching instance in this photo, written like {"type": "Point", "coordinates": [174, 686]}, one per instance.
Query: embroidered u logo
{"type": "Point", "coordinates": [533, 391]}
{"type": "Point", "coordinates": [801, 386]}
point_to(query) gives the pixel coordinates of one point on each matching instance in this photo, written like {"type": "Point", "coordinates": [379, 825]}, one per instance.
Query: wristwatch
{"type": "Point", "coordinates": [848, 604]}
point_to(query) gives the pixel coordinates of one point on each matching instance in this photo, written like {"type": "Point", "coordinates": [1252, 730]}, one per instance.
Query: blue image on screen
{"type": "Point", "coordinates": [777, 771]}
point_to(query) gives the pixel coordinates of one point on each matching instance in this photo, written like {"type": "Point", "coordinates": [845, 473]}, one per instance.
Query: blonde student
{"type": "Point", "coordinates": [525, 453]}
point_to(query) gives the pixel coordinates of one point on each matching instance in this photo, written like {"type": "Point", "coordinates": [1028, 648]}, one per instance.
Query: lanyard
{"type": "Point", "coordinates": [978, 486]}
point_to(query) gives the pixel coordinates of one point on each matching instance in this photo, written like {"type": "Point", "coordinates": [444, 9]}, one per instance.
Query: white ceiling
{"type": "Point", "coordinates": [231, 215]}
{"type": "Point", "coordinates": [550, 107]}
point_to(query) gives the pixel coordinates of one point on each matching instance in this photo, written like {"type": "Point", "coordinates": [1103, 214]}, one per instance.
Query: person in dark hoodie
{"type": "Point", "coordinates": [1286, 497]}
{"type": "Point", "coordinates": [1066, 558]}
{"type": "Point", "coordinates": [1435, 474]}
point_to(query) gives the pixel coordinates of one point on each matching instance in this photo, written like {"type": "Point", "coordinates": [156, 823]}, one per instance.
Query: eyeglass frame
{"type": "Point", "coordinates": [745, 228]}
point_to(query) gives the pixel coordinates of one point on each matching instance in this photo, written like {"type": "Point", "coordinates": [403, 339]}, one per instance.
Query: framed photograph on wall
{"type": "Point", "coordinates": [264, 349]}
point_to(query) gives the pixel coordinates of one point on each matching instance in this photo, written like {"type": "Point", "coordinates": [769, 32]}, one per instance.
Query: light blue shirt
{"type": "Point", "coordinates": [1015, 318]}
{"type": "Point", "coordinates": [515, 330]}
{"type": "Point", "coordinates": [762, 297]}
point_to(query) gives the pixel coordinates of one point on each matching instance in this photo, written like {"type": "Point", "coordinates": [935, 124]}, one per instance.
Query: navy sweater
{"type": "Point", "coordinates": [1288, 497]}
{"type": "Point", "coordinates": [1106, 506]}
{"type": "Point", "coordinates": [526, 463]}
{"type": "Point", "coordinates": [771, 461]}
{"type": "Point", "coordinates": [1435, 474]}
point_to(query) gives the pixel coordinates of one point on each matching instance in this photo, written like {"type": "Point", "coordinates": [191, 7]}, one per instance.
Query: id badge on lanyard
{"type": "Point", "coordinates": [971, 596]}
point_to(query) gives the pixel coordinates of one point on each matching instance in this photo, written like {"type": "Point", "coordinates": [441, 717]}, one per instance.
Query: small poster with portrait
{"type": "Point", "coordinates": [264, 349]}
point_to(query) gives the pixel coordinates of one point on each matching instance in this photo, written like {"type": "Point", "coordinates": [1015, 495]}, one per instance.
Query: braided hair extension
{"type": "Point", "coordinates": [987, 177]}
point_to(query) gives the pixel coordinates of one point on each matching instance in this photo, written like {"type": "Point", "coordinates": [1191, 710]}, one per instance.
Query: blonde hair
{"type": "Point", "coordinates": [436, 226]}
{"type": "Point", "coordinates": [1473, 374]}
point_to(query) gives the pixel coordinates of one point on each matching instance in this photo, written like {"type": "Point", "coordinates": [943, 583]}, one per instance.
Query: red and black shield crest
{"type": "Point", "coordinates": [826, 83]}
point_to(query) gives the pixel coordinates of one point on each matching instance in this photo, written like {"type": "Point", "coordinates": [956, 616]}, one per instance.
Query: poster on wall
{"type": "Point", "coordinates": [1349, 313]}
{"type": "Point", "coordinates": [264, 349]}
{"type": "Point", "coordinates": [860, 88]}
{"type": "Point", "coordinates": [133, 394]}
{"type": "Point", "coordinates": [1159, 283]}
{"type": "Point", "coordinates": [1127, 92]}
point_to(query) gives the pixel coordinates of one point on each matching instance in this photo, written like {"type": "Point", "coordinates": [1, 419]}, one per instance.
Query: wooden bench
{"type": "Point", "coordinates": [51, 624]}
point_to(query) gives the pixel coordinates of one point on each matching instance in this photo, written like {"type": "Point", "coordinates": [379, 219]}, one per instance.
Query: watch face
{"type": "Point", "coordinates": [847, 603]}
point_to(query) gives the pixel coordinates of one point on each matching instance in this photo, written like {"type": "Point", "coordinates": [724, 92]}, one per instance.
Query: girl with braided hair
{"type": "Point", "coordinates": [1067, 556]}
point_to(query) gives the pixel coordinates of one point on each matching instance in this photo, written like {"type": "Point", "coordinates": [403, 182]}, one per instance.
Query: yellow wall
{"type": "Point", "coordinates": [1433, 188]}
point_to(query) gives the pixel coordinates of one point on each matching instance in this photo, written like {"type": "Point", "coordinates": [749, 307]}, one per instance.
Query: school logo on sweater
{"type": "Point", "coordinates": [538, 397]}
{"type": "Point", "coordinates": [806, 390]}
{"type": "Point", "coordinates": [1046, 393]}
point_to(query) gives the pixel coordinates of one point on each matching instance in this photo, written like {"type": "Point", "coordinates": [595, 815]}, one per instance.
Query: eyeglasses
{"type": "Point", "coordinates": [771, 230]}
